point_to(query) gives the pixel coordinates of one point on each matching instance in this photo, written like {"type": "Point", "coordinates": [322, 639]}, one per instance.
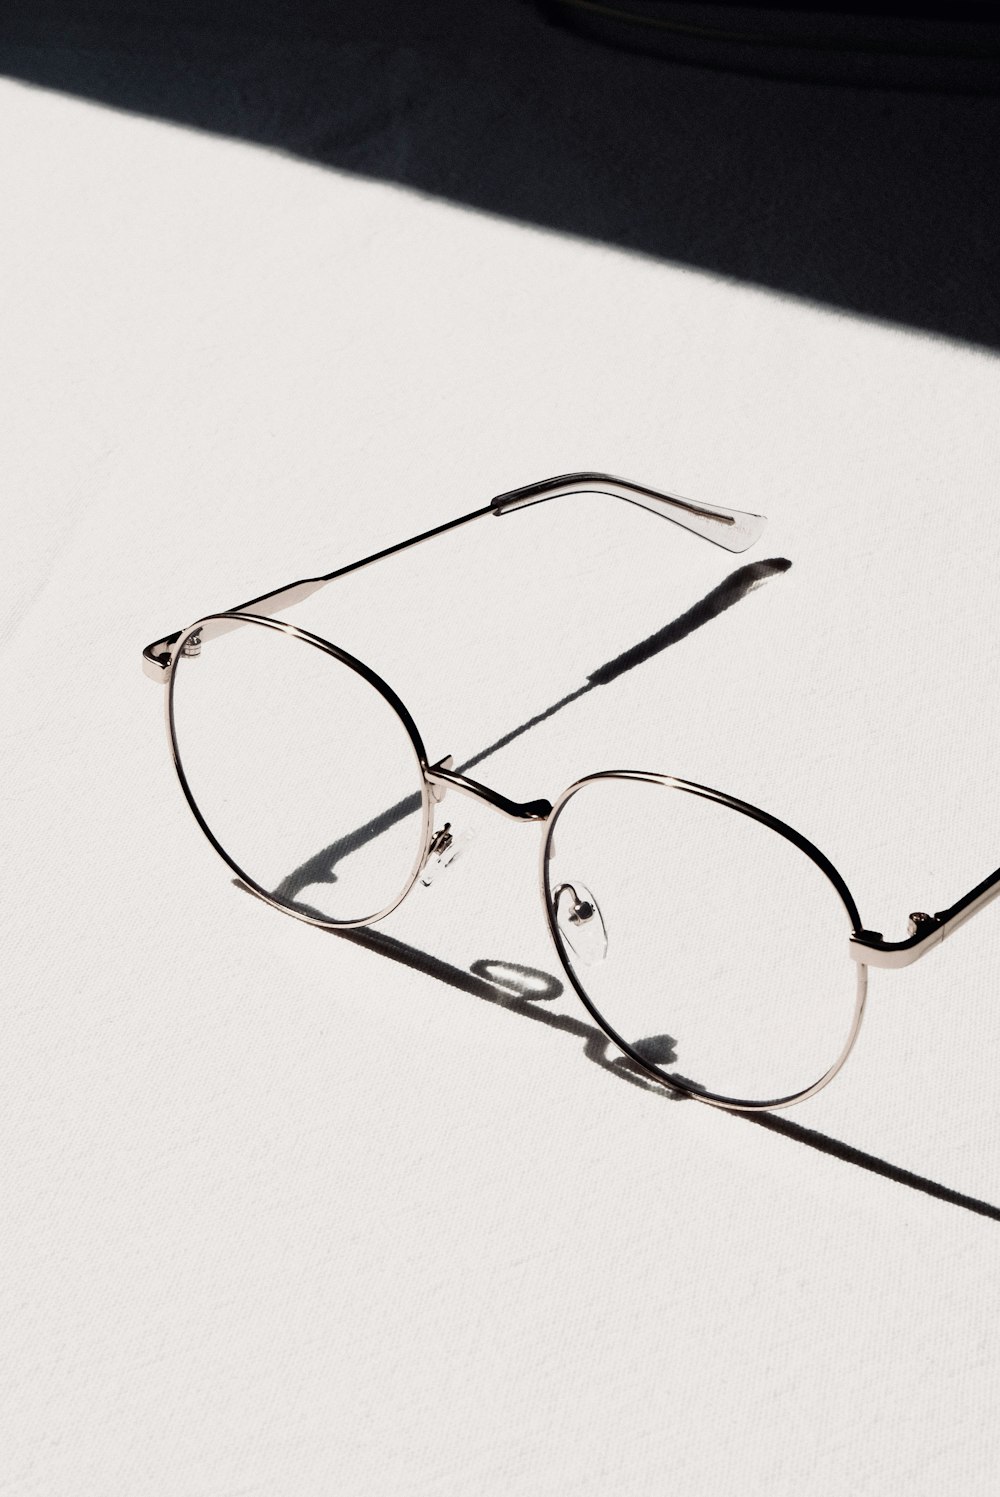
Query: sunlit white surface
{"type": "Point", "coordinates": [286, 1214]}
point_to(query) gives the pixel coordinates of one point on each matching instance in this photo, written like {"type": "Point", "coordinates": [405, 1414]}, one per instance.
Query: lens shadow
{"type": "Point", "coordinates": [321, 867]}
{"type": "Point", "coordinates": [522, 990]}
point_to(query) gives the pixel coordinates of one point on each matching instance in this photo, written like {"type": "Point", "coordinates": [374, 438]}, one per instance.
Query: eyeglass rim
{"type": "Point", "coordinates": [428, 800]}
{"type": "Point", "coordinates": [282, 626]}
{"type": "Point", "coordinates": [819, 858]}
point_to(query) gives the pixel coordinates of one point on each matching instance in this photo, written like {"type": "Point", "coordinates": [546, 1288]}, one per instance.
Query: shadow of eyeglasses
{"type": "Point", "coordinates": [521, 989]}
{"type": "Point", "coordinates": [321, 867]}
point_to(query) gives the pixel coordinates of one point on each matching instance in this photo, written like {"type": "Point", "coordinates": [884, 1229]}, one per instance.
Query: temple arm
{"type": "Point", "coordinates": [926, 931]}
{"type": "Point", "coordinates": [731, 528]}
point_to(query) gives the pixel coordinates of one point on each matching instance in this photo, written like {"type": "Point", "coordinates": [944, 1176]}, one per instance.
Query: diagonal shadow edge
{"type": "Point", "coordinates": [398, 96]}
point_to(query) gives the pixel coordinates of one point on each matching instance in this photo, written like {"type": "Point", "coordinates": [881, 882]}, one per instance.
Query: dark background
{"type": "Point", "coordinates": [847, 157]}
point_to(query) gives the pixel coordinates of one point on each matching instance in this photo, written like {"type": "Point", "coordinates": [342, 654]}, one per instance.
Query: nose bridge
{"type": "Point", "coordinates": [444, 775]}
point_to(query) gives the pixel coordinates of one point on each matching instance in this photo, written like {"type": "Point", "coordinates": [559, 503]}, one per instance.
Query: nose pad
{"type": "Point", "coordinates": [445, 847]}
{"type": "Point", "coordinates": [580, 922]}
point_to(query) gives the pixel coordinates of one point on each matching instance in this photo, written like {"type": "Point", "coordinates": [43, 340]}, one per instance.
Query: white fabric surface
{"type": "Point", "coordinates": [284, 1215]}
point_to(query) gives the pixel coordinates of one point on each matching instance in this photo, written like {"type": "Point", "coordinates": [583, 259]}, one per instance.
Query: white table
{"type": "Point", "coordinates": [286, 1215]}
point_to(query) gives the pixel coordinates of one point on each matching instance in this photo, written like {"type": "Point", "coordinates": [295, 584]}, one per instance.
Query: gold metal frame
{"type": "Point", "coordinates": [735, 530]}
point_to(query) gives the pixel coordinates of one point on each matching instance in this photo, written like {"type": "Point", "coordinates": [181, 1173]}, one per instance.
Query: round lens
{"type": "Point", "coordinates": [709, 944]}
{"type": "Point", "coordinates": [303, 773]}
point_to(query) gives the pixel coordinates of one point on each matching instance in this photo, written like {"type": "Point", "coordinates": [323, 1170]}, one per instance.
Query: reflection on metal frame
{"type": "Point", "coordinates": [441, 774]}
{"type": "Point", "coordinates": [926, 931]}
{"type": "Point", "coordinates": [733, 529]}
{"type": "Point", "coordinates": [221, 624]}
{"type": "Point", "coordinates": [550, 898]}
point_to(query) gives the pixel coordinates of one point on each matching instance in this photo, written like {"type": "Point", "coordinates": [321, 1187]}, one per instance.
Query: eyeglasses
{"type": "Point", "coordinates": [715, 946]}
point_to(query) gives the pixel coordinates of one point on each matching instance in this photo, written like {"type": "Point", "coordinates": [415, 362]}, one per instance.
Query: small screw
{"type": "Point", "coordinates": [919, 920]}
